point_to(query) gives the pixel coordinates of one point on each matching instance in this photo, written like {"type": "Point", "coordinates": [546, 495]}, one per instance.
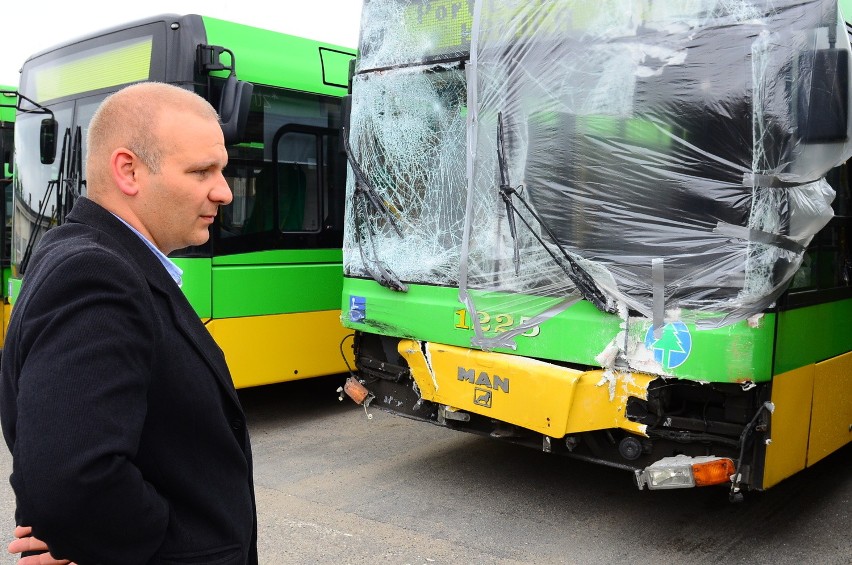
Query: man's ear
{"type": "Point", "coordinates": [125, 168]}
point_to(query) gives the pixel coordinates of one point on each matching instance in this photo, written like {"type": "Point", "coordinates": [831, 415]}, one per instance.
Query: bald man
{"type": "Point", "coordinates": [128, 440]}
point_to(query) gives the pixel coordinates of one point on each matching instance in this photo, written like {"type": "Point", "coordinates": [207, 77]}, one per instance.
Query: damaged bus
{"type": "Point", "coordinates": [281, 121]}
{"type": "Point", "coordinates": [618, 230]}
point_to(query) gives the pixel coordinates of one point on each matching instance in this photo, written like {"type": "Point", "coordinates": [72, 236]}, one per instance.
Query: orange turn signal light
{"type": "Point", "coordinates": [714, 472]}
{"type": "Point", "coordinates": [355, 390]}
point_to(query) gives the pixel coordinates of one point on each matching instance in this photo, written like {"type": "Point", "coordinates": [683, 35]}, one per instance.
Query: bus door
{"type": "Point", "coordinates": [276, 265]}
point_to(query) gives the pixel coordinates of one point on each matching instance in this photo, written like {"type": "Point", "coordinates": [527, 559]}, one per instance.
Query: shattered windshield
{"type": "Point", "coordinates": [666, 156]}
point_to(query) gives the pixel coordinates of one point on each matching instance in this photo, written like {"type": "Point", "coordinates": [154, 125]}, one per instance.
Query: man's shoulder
{"type": "Point", "coordinates": [74, 239]}
{"type": "Point", "coordinates": [73, 251]}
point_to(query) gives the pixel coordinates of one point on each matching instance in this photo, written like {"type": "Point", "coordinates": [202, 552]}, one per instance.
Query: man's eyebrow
{"type": "Point", "coordinates": [207, 164]}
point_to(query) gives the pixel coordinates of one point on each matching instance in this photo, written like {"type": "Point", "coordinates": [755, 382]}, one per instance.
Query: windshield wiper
{"type": "Point", "coordinates": [37, 223]}
{"type": "Point", "coordinates": [506, 192]}
{"type": "Point", "coordinates": [68, 185]}
{"type": "Point", "coordinates": [364, 188]}
{"type": "Point", "coordinates": [367, 195]}
{"type": "Point", "coordinates": [72, 183]}
{"type": "Point", "coordinates": [578, 275]}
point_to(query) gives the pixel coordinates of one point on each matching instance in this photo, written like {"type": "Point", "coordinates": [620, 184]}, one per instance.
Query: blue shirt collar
{"type": "Point", "coordinates": [174, 271]}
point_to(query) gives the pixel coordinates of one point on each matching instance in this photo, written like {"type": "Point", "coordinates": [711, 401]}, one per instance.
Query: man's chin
{"type": "Point", "coordinates": [195, 241]}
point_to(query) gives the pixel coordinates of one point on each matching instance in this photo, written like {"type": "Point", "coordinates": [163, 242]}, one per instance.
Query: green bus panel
{"type": "Point", "coordinates": [257, 290]}
{"type": "Point", "coordinates": [812, 334]}
{"type": "Point", "coordinates": [14, 289]}
{"type": "Point", "coordinates": [196, 283]}
{"type": "Point", "coordinates": [739, 352]}
{"type": "Point", "coordinates": [7, 105]}
{"type": "Point", "coordinates": [267, 57]}
{"type": "Point", "coordinates": [257, 283]}
{"type": "Point", "coordinates": [281, 257]}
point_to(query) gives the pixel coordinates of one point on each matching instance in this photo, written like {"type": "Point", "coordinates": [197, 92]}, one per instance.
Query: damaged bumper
{"type": "Point", "coordinates": [669, 433]}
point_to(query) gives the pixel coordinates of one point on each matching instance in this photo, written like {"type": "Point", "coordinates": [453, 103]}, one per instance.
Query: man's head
{"type": "Point", "coordinates": [155, 158]}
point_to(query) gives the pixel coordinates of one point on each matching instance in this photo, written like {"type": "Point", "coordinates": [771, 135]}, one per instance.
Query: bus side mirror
{"type": "Point", "coordinates": [234, 108]}
{"type": "Point", "coordinates": [47, 140]}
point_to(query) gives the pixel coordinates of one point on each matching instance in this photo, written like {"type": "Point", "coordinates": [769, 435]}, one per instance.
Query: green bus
{"type": "Point", "coordinates": [8, 103]}
{"type": "Point", "coordinates": [614, 231]}
{"type": "Point", "coordinates": [268, 282]}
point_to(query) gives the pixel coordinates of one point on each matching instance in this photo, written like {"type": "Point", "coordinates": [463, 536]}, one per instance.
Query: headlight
{"type": "Point", "coordinates": [682, 471]}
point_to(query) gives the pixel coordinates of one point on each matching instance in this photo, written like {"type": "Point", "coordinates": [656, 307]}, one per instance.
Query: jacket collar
{"type": "Point", "coordinates": [87, 212]}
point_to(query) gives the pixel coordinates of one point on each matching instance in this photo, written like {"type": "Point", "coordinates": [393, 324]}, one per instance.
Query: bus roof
{"type": "Point", "coordinates": [281, 59]}
{"type": "Point", "coordinates": [100, 32]}
{"type": "Point", "coordinates": [262, 56]}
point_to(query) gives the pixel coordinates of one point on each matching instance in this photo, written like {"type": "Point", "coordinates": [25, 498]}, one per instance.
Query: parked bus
{"type": "Point", "coordinates": [618, 231]}
{"type": "Point", "coordinates": [267, 284]}
{"type": "Point", "coordinates": [8, 103]}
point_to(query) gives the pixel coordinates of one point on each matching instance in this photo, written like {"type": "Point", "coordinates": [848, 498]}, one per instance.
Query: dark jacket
{"type": "Point", "coordinates": [128, 440]}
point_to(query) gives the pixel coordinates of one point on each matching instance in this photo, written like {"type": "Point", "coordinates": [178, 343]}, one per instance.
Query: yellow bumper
{"type": "Point", "coordinates": [539, 396]}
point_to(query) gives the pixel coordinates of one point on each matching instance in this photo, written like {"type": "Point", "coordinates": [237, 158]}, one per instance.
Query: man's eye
{"type": "Point", "coordinates": [202, 173]}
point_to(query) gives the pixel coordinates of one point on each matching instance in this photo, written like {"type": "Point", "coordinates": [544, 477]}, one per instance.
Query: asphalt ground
{"type": "Point", "coordinates": [334, 487]}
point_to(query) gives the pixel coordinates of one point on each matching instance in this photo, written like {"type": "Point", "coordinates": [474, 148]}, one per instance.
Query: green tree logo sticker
{"type": "Point", "coordinates": [673, 347]}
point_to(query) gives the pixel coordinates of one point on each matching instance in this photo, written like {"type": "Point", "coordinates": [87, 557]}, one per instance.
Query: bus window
{"type": "Point", "coordinates": [826, 269]}
{"type": "Point", "coordinates": [287, 175]}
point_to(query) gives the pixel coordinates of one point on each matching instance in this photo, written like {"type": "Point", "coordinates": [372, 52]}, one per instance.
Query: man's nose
{"type": "Point", "coordinates": [222, 192]}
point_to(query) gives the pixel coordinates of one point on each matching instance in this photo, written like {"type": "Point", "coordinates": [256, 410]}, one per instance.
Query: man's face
{"type": "Point", "coordinates": [182, 199]}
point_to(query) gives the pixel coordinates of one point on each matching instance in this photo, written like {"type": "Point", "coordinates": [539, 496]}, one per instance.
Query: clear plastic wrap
{"type": "Point", "coordinates": [659, 157]}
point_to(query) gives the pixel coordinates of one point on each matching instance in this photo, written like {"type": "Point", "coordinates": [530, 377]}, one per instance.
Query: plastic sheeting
{"type": "Point", "coordinates": [659, 157]}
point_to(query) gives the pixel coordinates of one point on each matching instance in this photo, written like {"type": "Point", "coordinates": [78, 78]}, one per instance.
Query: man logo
{"type": "Point", "coordinates": [483, 379]}
{"type": "Point", "coordinates": [482, 397]}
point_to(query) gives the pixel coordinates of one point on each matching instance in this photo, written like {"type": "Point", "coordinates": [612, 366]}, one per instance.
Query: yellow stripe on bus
{"type": "Point", "coordinates": [787, 452]}
{"type": "Point", "coordinates": [812, 417]}
{"type": "Point", "coordinates": [285, 347]}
